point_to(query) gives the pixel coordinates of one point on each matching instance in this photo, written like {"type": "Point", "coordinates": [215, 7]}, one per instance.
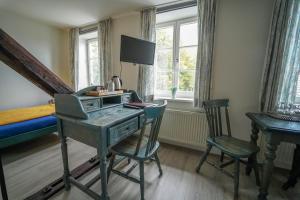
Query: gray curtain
{"type": "Point", "coordinates": [74, 56]}
{"type": "Point", "coordinates": [146, 72]}
{"type": "Point", "coordinates": [206, 29]}
{"type": "Point", "coordinates": [282, 58]}
{"type": "Point", "coordinates": [104, 41]}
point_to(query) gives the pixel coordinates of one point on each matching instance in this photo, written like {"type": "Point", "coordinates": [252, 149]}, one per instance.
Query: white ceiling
{"type": "Point", "coordinates": [67, 13]}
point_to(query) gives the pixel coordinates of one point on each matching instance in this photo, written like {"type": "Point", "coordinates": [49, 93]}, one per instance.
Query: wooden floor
{"type": "Point", "coordinates": [30, 166]}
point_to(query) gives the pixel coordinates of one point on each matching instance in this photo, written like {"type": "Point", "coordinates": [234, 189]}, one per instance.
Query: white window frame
{"type": "Point", "coordinates": [88, 41]}
{"type": "Point", "coordinates": [180, 95]}
{"type": "Point", "coordinates": [297, 100]}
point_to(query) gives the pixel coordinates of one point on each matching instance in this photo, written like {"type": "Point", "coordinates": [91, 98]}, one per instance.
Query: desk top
{"type": "Point", "coordinates": [106, 117]}
{"type": "Point", "coordinates": [270, 124]}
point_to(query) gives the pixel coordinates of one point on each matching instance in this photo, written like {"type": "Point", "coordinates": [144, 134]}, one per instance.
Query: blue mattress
{"type": "Point", "coordinates": [26, 126]}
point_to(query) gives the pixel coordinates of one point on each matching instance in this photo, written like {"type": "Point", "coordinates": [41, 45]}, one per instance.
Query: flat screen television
{"type": "Point", "coordinates": [137, 51]}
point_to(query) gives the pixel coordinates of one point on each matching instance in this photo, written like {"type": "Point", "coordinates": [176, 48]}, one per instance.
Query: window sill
{"type": "Point", "coordinates": [181, 104]}
{"type": "Point", "coordinates": [175, 100]}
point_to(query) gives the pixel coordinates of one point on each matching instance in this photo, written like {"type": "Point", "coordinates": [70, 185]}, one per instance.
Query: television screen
{"type": "Point", "coordinates": [137, 51]}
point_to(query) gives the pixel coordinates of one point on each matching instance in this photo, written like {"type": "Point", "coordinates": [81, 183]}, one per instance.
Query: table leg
{"type": "Point", "coordinates": [102, 152]}
{"type": "Point", "coordinates": [2, 181]}
{"type": "Point", "coordinates": [295, 171]}
{"type": "Point", "coordinates": [270, 156]}
{"type": "Point", "coordinates": [254, 137]}
{"type": "Point", "coordinates": [64, 151]}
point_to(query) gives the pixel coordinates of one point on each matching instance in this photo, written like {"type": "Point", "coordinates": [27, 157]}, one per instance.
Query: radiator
{"type": "Point", "coordinates": [184, 128]}
{"type": "Point", "coordinates": [190, 129]}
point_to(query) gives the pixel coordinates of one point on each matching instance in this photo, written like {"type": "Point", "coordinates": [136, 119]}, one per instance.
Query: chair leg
{"type": "Point", "coordinates": [110, 167]}
{"type": "Point", "coordinates": [2, 181]}
{"type": "Point", "coordinates": [141, 164]}
{"type": "Point", "coordinates": [249, 165]}
{"type": "Point", "coordinates": [222, 157]}
{"type": "Point", "coordinates": [158, 164]}
{"type": "Point", "coordinates": [256, 170]}
{"type": "Point", "coordinates": [236, 179]}
{"type": "Point", "coordinates": [203, 158]}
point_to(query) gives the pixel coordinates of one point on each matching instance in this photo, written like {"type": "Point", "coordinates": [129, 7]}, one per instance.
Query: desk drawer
{"type": "Point", "coordinates": [91, 104]}
{"type": "Point", "coordinates": [119, 132]}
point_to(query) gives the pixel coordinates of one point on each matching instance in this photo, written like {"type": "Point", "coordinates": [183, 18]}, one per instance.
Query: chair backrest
{"type": "Point", "coordinates": [215, 109]}
{"type": "Point", "coordinates": [154, 115]}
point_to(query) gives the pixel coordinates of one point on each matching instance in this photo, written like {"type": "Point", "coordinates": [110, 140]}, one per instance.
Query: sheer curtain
{"type": "Point", "coordinates": [74, 56]}
{"type": "Point", "coordinates": [146, 72]}
{"type": "Point", "coordinates": [291, 57]}
{"type": "Point", "coordinates": [104, 46]}
{"type": "Point", "coordinates": [206, 29]}
{"type": "Point", "coordinates": [279, 83]}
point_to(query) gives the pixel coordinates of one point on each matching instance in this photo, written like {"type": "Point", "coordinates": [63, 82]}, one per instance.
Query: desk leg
{"type": "Point", "coordinates": [64, 151]}
{"type": "Point", "coordinates": [103, 172]}
{"type": "Point", "coordinates": [254, 137]}
{"type": "Point", "coordinates": [102, 152]}
{"type": "Point", "coordinates": [270, 156]}
{"type": "Point", "coordinates": [2, 181]}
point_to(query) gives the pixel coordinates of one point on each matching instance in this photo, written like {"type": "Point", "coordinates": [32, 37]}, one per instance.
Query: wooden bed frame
{"type": "Point", "coordinates": [17, 139]}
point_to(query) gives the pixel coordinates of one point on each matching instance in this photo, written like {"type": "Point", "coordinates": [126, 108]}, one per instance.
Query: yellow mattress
{"type": "Point", "coordinates": [23, 114]}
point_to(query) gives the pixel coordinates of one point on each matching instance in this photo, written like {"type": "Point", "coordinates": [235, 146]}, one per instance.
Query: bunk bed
{"type": "Point", "coordinates": [21, 125]}
{"type": "Point", "coordinates": [13, 128]}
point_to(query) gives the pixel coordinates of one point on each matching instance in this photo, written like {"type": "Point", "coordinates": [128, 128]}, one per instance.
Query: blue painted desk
{"type": "Point", "coordinates": [276, 131]}
{"type": "Point", "coordinates": [96, 124]}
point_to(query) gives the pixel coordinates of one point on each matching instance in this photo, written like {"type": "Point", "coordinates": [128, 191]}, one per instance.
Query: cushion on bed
{"type": "Point", "coordinates": [23, 114]}
{"type": "Point", "coordinates": [26, 126]}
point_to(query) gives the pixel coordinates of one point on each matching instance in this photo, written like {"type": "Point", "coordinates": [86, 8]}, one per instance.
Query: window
{"type": "Point", "coordinates": [175, 60]}
{"type": "Point", "coordinates": [89, 69]}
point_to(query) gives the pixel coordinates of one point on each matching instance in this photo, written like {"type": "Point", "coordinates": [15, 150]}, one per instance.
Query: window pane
{"type": "Point", "coordinates": [164, 80]}
{"type": "Point", "coordinates": [298, 87]}
{"type": "Point", "coordinates": [164, 59]}
{"type": "Point", "coordinates": [187, 80]}
{"type": "Point", "coordinates": [187, 58]}
{"type": "Point", "coordinates": [93, 49]}
{"type": "Point", "coordinates": [93, 59]}
{"type": "Point", "coordinates": [188, 34]}
{"type": "Point", "coordinates": [94, 71]}
{"type": "Point", "coordinates": [164, 37]}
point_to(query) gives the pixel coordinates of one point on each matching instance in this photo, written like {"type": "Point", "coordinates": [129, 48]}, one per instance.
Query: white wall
{"type": "Point", "coordinates": [241, 38]}
{"type": "Point", "coordinates": [125, 25]}
{"type": "Point", "coordinates": [48, 44]}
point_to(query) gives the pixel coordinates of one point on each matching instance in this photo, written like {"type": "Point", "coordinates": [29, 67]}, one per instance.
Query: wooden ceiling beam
{"type": "Point", "coordinates": [19, 59]}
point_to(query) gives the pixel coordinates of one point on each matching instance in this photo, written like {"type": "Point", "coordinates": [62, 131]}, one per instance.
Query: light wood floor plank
{"type": "Point", "coordinates": [32, 165]}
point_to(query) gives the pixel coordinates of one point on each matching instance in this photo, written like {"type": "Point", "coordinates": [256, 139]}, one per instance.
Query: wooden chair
{"type": "Point", "coordinates": [140, 147]}
{"type": "Point", "coordinates": [234, 148]}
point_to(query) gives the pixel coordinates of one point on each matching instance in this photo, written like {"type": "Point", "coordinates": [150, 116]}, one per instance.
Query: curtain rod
{"type": "Point", "coordinates": [175, 5]}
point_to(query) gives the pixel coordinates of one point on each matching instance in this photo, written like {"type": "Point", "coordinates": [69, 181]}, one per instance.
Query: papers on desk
{"type": "Point", "coordinates": [138, 105]}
